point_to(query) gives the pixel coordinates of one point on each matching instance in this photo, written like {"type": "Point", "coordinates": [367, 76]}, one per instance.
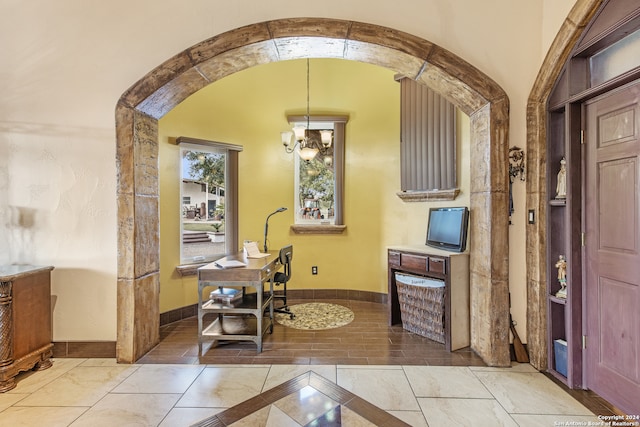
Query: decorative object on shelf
{"type": "Point", "coordinates": [225, 296]}
{"type": "Point", "coordinates": [232, 324]}
{"type": "Point", "coordinates": [561, 265]}
{"type": "Point", "coordinates": [308, 142]}
{"type": "Point", "coordinates": [266, 225]}
{"type": "Point", "coordinates": [561, 186]}
{"type": "Point", "coordinates": [316, 316]}
{"type": "Point", "coordinates": [516, 168]}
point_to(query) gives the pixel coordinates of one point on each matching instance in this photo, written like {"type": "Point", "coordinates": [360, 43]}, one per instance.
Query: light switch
{"type": "Point", "coordinates": [532, 216]}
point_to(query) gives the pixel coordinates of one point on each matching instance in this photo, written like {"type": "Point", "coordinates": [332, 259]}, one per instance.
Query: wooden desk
{"type": "Point", "coordinates": [255, 274]}
{"type": "Point", "coordinates": [25, 321]}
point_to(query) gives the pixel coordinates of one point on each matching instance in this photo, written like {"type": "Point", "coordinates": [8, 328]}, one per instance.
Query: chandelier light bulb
{"type": "Point", "coordinates": [326, 137]}
{"type": "Point", "coordinates": [286, 137]}
{"type": "Point", "coordinates": [300, 132]}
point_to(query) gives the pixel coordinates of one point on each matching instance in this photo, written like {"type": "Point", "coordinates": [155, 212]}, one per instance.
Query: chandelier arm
{"type": "Point", "coordinates": [290, 149]}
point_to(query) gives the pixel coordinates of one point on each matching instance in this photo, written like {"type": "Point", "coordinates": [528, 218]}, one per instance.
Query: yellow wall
{"type": "Point", "coordinates": [249, 109]}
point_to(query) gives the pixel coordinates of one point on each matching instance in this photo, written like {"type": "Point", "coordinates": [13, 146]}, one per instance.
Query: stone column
{"type": "Point", "coordinates": [138, 235]}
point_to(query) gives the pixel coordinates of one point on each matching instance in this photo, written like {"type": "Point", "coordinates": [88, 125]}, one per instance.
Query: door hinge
{"type": "Point", "coordinates": [581, 136]}
{"type": "Point", "coordinates": [584, 342]}
{"type": "Point", "coordinates": [582, 239]}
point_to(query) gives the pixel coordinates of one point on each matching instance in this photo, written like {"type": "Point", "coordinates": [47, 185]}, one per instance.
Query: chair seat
{"type": "Point", "coordinates": [279, 277]}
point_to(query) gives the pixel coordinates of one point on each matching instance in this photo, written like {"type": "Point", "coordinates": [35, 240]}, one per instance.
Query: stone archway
{"type": "Point", "coordinates": [141, 106]}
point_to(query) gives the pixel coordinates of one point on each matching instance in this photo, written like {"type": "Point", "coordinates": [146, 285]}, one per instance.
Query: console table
{"type": "Point", "coordinates": [450, 267]}
{"type": "Point", "coordinates": [25, 321]}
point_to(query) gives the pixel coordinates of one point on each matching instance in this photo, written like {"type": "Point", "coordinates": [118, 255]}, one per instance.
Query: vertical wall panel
{"type": "Point", "coordinates": [427, 139]}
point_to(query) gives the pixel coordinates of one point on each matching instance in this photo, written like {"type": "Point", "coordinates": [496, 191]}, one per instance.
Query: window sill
{"type": "Point", "coordinates": [189, 269]}
{"type": "Point", "coordinates": [426, 196]}
{"type": "Point", "coordinates": [317, 229]}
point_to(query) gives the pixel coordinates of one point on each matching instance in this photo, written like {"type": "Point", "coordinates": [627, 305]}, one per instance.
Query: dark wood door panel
{"type": "Point", "coordinates": [612, 265]}
{"type": "Point", "coordinates": [618, 203]}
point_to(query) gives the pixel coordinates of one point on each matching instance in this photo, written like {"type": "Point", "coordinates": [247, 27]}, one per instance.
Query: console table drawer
{"type": "Point", "coordinates": [437, 265]}
{"type": "Point", "coordinates": [414, 262]}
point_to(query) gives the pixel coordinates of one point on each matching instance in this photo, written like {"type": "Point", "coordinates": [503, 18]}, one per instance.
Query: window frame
{"type": "Point", "coordinates": [339, 142]}
{"type": "Point", "coordinates": [231, 152]}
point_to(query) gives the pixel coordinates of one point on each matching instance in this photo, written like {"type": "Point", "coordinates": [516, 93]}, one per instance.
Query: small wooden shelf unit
{"type": "Point", "coordinates": [450, 267]}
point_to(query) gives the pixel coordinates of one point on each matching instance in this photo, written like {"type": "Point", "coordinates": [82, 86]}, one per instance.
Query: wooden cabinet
{"type": "Point", "coordinates": [453, 269]}
{"type": "Point", "coordinates": [564, 314]}
{"type": "Point", "coordinates": [25, 321]}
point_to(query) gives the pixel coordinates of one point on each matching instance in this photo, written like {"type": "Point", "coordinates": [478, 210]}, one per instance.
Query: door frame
{"type": "Point", "coordinates": [579, 20]}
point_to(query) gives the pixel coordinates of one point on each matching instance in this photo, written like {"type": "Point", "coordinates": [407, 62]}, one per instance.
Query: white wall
{"type": "Point", "coordinates": [64, 65]}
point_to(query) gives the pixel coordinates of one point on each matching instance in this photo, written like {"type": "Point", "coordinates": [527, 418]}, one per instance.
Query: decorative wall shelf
{"type": "Point", "coordinates": [427, 196]}
{"type": "Point", "coordinates": [318, 229]}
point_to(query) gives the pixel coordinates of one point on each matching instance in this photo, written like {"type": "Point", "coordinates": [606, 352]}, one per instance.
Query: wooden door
{"type": "Point", "coordinates": [612, 238]}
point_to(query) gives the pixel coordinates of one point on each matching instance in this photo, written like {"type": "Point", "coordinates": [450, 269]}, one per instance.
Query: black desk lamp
{"type": "Point", "coordinates": [266, 225]}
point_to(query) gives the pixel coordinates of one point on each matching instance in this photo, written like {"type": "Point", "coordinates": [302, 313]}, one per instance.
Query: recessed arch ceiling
{"type": "Point", "coordinates": [163, 88]}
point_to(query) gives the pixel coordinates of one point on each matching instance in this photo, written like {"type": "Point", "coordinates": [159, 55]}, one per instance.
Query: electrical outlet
{"type": "Point", "coordinates": [314, 269]}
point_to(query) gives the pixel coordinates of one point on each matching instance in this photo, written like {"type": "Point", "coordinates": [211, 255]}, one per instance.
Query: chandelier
{"type": "Point", "coordinates": [307, 142]}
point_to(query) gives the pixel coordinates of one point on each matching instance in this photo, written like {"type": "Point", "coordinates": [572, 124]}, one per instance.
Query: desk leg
{"type": "Point", "coordinates": [199, 333]}
{"type": "Point", "coordinates": [259, 315]}
{"type": "Point", "coordinates": [271, 315]}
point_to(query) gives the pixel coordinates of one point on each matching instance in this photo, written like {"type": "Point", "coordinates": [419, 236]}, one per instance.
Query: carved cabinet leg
{"type": "Point", "coordinates": [7, 385]}
{"type": "Point", "coordinates": [6, 324]}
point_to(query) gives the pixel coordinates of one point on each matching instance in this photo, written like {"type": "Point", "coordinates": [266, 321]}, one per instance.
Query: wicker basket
{"type": "Point", "coordinates": [422, 309]}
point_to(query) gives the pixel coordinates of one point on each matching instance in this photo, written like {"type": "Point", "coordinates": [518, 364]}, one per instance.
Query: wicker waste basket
{"type": "Point", "coordinates": [421, 305]}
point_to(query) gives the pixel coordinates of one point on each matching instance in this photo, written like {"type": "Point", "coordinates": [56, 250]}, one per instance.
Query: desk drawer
{"type": "Point", "coordinates": [267, 273]}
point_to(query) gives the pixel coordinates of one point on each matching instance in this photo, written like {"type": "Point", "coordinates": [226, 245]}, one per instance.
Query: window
{"type": "Point", "coordinates": [615, 60]}
{"type": "Point", "coordinates": [318, 189]}
{"type": "Point", "coordinates": [208, 190]}
{"type": "Point", "coordinates": [427, 143]}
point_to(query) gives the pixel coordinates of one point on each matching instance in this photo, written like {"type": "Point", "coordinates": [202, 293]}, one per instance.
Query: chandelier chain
{"type": "Point", "coordinates": [308, 113]}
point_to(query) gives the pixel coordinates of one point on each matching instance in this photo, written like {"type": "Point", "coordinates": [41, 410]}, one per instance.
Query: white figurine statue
{"type": "Point", "coordinates": [561, 187]}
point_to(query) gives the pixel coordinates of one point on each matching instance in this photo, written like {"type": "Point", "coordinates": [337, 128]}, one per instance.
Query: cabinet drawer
{"type": "Point", "coordinates": [414, 262]}
{"type": "Point", "coordinates": [437, 265]}
{"type": "Point", "coordinates": [394, 258]}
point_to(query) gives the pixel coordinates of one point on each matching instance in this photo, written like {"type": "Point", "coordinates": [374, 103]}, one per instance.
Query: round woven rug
{"type": "Point", "coordinates": [316, 316]}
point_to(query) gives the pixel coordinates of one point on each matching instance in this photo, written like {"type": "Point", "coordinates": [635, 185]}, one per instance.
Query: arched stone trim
{"type": "Point", "coordinates": [572, 28]}
{"type": "Point", "coordinates": [163, 88]}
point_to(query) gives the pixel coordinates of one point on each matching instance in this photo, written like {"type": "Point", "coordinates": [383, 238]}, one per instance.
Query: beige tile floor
{"type": "Point", "coordinates": [100, 392]}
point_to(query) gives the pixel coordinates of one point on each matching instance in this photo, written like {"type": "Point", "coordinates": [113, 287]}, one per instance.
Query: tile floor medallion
{"type": "Point", "coordinates": [306, 400]}
{"type": "Point", "coordinates": [316, 316]}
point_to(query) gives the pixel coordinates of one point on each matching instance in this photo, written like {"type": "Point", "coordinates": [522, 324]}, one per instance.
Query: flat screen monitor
{"type": "Point", "coordinates": [447, 228]}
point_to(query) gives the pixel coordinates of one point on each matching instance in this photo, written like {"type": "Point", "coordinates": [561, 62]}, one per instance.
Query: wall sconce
{"type": "Point", "coordinates": [516, 167]}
